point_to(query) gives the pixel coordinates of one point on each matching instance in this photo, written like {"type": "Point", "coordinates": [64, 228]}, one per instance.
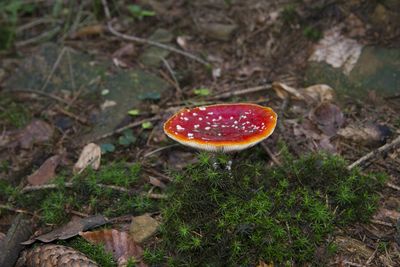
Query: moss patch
{"type": "Point", "coordinates": [87, 195]}
{"type": "Point", "coordinates": [280, 214]}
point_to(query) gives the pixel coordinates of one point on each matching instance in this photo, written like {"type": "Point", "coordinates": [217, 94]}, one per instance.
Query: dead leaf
{"type": "Point", "coordinates": [328, 117]}
{"type": "Point", "coordinates": [90, 156]}
{"type": "Point", "coordinates": [261, 263]}
{"type": "Point", "coordinates": [70, 229]}
{"type": "Point", "coordinates": [88, 31]}
{"type": "Point", "coordinates": [247, 71]}
{"type": "Point", "coordinates": [183, 41]}
{"type": "Point", "coordinates": [283, 91]}
{"type": "Point", "coordinates": [318, 93]}
{"type": "Point", "coordinates": [120, 244]}
{"type": "Point", "coordinates": [384, 214]}
{"type": "Point", "coordinates": [337, 50]}
{"type": "Point", "coordinates": [353, 246]}
{"type": "Point", "coordinates": [143, 227]}
{"type": "Point", "coordinates": [46, 172]}
{"type": "Point", "coordinates": [369, 134]}
{"type": "Point", "coordinates": [54, 255]}
{"type": "Point", "coordinates": [37, 131]}
{"type": "Point", "coordinates": [156, 182]}
{"type": "Point", "coordinates": [126, 50]}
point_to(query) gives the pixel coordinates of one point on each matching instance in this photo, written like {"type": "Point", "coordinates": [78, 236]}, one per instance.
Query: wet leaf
{"type": "Point", "coordinates": [202, 92]}
{"type": "Point", "coordinates": [120, 244]}
{"type": "Point", "coordinates": [90, 156]}
{"type": "Point", "coordinates": [46, 172]}
{"type": "Point", "coordinates": [37, 131]}
{"type": "Point", "coordinates": [54, 255]}
{"type": "Point", "coordinates": [70, 229]}
{"type": "Point", "coordinates": [328, 117]}
{"type": "Point", "coordinates": [134, 112]}
{"type": "Point", "coordinates": [147, 125]}
{"type": "Point", "coordinates": [89, 30]}
{"type": "Point", "coordinates": [106, 148]}
{"type": "Point", "coordinates": [143, 227]}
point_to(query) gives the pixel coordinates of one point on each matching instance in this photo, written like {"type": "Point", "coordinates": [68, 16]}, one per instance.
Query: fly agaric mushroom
{"type": "Point", "coordinates": [222, 127]}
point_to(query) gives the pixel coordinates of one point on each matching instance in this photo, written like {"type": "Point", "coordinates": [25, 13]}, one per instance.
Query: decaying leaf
{"type": "Point", "coordinates": [54, 255]}
{"type": "Point", "coordinates": [70, 229]}
{"type": "Point", "coordinates": [90, 156]}
{"type": "Point", "coordinates": [37, 131]}
{"type": "Point", "coordinates": [263, 264]}
{"type": "Point", "coordinates": [318, 93]}
{"type": "Point", "coordinates": [89, 30]}
{"type": "Point", "coordinates": [384, 214]}
{"type": "Point", "coordinates": [352, 246]}
{"type": "Point", "coordinates": [337, 50]}
{"type": "Point", "coordinates": [369, 134]}
{"type": "Point", "coordinates": [284, 91]}
{"type": "Point", "coordinates": [143, 227]}
{"type": "Point", "coordinates": [328, 117]}
{"type": "Point", "coordinates": [46, 172]}
{"type": "Point", "coordinates": [120, 244]}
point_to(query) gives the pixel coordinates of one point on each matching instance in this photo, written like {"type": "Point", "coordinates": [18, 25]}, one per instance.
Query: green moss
{"type": "Point", "coordinates": [13, 113]}
{"type": "Point", "coordinates": [280, 214]}
{"type": "Point", "coordinates": [94, 252]}
{"type": "Point", "coordinates": [86, 194]}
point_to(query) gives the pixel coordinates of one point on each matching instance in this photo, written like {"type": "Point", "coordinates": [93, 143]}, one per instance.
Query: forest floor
{"type": "Point", "coordinates": [74, 73]}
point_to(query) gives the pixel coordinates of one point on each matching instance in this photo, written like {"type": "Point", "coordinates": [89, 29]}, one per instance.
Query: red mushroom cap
{"type": "Point", "coordinates": [222, 127]}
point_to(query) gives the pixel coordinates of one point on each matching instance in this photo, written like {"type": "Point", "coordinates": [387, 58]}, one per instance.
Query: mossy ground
{"type": "Point", "coordinates": [86, 195]}
{"type": "Point", "coordinates": [275, 214]}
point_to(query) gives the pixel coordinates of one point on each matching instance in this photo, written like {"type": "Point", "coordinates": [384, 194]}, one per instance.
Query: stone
{"type": "Point", "coordinates": [143, 227]}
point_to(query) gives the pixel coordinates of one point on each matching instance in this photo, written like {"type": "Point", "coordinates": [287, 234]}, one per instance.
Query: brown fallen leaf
{"type": "Point", "coordinates": [88, 31]}
{"type": "Point", "coordinates": [125, 50]}
{"type": "Point", "coordinates": [120, 244]}
{"type": "Point", "coordinates": [46, 172]}
{"type": "Point", "coordinates": [384, 214]}
{"type": "Point", "coordinates": [37, 131]}
{"type": "Point", "coordinates": [318, 93]}
{"type": "Point", "coordinates": [72, 228]}
{"type": "Point", "coordinates": [328, 117]}
{"type": "Point", "coordinates": [54, 255]}
{"type": "Point", "coordinates": [90, 156]}
{"type": "Point", "coordinates": [284, 91]}
{"type": "Point", "coordinates": [143, 227]}
{"type": "Point", "coordinates": [261, 263]}
{"type": "Point", "coordinates": [370, 134]}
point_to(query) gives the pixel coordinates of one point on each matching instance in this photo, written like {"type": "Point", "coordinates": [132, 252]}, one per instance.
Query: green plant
{"type": "Point", "coordinates": [279, 214]}
{"type": "Point", "coordinates": [54, 207]}
{"type": "Point", "coordinates": [13, 113]}
{"type": "Point", "coordinates": [139, 13]}
{"type": "Point", "coordinates": [312, 33]}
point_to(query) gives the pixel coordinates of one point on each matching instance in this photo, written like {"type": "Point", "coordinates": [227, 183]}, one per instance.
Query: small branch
{"type": "Point", "coordinates": [146, 41]}
{"type": "Point", "coordinates": [130, 125]}
{"type": "Point", "coordinates": [242, 92]}
{"type": "Point", "coordinates": [148, 154]}
{"type": "Point", "coordinates": [41, 93]}
{"type": "Point", "coordinates": [373, 154]}
{"type": "Point", "coordinates": [32, 188]}
{"type": "Point", "coordinates": [72, 115]}
{"type": "Point", "coordinates": [393, 186]}
{"type": "Point", "coordinates": [53, 69]}
{"type": "Point", "coordinates": [176, 83]}
{"type": "Point", "coordinates": [270, 154]}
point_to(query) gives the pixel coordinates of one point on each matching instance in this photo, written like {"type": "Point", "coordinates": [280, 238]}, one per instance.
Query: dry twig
{"type": "Point", "coordinates": [241, 92]}
{"type": "Point", "coordinates": [146, 41]}
{"type": "Point", "coordinates": [381, 150]}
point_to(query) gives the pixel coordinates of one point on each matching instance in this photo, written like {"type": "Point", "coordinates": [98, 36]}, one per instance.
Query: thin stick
{"type": "Point", "coordinates": [381, 150]}
{"type": "Point", "coordinates": [42, 93]}
{"type": "Point", "coordinates": [53, 69]}
{"type": "Point", "coordinates": [158, 150]}
{"type": "Point", "coordinates": [6, 207]}
{"type": "Point", "coordinates": [146, 41]}
{"type": "Point", "coordinates": [178, 88]}
{"type": "Point", "coordinates": [393, 186]}
{"type": "Point", "coordinates": [270, 154]}
{"type": "Point", "coordinates": [39, 37]}
{"type": "Point", "coordinates": [130, 125]}
{"type": "Point", "coordinates": [32, 188]}
{"type": "Point", "coordinates": [72, 115]}
{"type": "Point", "coordinates": [242, 92]}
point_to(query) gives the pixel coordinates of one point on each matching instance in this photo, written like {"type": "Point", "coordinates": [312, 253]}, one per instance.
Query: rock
{"type": "Point", "coordinates": [152, 56]}
{"type": "Point", "coordinates": [376, 69]}
{"type": "Point", "coordinates": [143, 227]}
{"type": "Point", "coordinates": [218, 31]}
